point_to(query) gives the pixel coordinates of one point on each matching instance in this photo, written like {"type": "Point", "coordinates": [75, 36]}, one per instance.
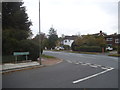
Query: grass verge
{"type": "Point", "coordinates": [114, 55]}
{"type": "Point", "coordinates": [83, 52]}
{"type": "Point", "coordinates": [47, 56]}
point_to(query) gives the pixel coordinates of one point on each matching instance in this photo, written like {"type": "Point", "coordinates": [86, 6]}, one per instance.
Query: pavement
{"type": "Point", "coordinates": [10, 67]}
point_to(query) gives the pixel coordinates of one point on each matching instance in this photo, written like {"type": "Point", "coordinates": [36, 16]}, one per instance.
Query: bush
{"type": "Point", "coordinates": [66, 47]}
{"type": "Point", "coordinates": [88, 48]}
{"type": "Point", "coordinates": [31, 47]}
{"type": "Point", "coordinates": [8, 59]}
{"type": "Point", "coordinates": [73, 46]}
{"type": "Point", "coordinates": [115, 47]}
{"type": "Point", "coordinates": [118, 49]}
{"type": "Point", "coordinates": [24, 46]}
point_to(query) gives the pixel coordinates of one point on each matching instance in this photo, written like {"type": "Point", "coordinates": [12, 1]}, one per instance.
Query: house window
{"type": "Point", "coordinates": [116, 40]}
{"type": "Point", "coordinates": [109, 39]}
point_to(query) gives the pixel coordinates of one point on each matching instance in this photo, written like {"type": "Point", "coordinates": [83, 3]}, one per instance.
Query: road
{"type": "Point", "coordinates": [76, 71]}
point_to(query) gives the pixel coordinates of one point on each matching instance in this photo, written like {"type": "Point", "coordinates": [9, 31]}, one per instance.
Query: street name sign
{"type": "Point", "coordinates": [20, 53]}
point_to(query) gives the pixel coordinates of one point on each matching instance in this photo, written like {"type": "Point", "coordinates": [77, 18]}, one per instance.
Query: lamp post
{"type": "Point", "coordinates": [39, 38]}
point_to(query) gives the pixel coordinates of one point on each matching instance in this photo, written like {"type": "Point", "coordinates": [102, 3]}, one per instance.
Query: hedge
{"type": "Point", "coordinates": [88, 48]}
{"type": "Point", "coordinates": [31, 47]}
{"type": "Point", "coordinates": [118, 49]}
{"type": "Point", "coordinates": [66, 47]}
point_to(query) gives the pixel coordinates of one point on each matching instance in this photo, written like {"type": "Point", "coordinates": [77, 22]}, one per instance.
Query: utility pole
{"type": "Point", "coordinates": [39, 38]}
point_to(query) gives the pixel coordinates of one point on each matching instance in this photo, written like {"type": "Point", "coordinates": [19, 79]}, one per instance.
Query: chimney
{"type": "Point", "coordinates": [101, 32]}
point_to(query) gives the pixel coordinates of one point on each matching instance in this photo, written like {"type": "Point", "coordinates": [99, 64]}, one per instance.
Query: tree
{"type": "Point", "coordinates": [91, 42]}
{"type": "Point", "coordinates": [40, 40]}
{"type": "Point", "coordinates": [100, 41]}
{"type": "Point", "coordinates": [52, 38]}
{"type": "Point", "coordinates": [14, 16]}
{"type": "Point", "coordinates": [78, 41]}
{"type": "Point", "coordinates": [15, 26]}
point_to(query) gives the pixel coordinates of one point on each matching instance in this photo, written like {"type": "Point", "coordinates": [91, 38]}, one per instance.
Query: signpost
{"type": "Point", "coordinates": [20, 53]}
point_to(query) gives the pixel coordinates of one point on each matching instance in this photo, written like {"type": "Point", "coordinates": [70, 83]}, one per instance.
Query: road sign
{"type": "Point", "coordinates": [20, 53]}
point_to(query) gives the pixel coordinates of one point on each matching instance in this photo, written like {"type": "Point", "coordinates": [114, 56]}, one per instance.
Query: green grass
{"type": "Point", "coordinates": [89, 53]}
{"type": "Point", "coordinates": [96, 53]}
{"type": "Point", "coordinates": [47, 56]}
{"type": "Point", "coordinates": [114, 55]}
{"type": "Point", "coordinates": [83, 52]}
{"type": "Point", "coordinates": [58, 50]}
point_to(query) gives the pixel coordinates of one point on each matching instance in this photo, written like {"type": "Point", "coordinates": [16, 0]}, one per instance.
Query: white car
{"type": "Point", "coordinates": [109, 48]}
{"type": "Point", "coordinates": [59, 48]}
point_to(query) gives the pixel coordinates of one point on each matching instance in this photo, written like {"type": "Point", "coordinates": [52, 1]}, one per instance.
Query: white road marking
{"type": "Point", "coordinates": [99, 65]}
{"type": "Point", "coordinates": [88, 63]}
{"type": "Point", "coordinates": [104, 68]}
{"type": "Point", "coordinates": [83, 79]}
{"type": "Point", "coordinates": [91, 65]}
{"type": "Point", "coordinates": [80, 62]}
{"type": "Point", "coordinates": [69, 61]}
{"type": "Point", "coordinates": [83, 64]}
{"type": "Point", "coordinates": [59, 61]}
{"type": "Point", "coordinates": [95, 66]}
{"type": "Point", "coordinates": [76, 63]}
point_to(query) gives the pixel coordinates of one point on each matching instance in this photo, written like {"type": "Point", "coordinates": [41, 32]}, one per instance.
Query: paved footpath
{"type": "Point", "coordinates": [27, 65]}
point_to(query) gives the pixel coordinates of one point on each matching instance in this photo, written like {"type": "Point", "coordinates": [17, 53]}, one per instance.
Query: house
{"type": "Point", "coordinates": [113, 40]}
{"type": "Point", "coordinates": [68, 40]}
{"type": "Point", "coordinates": [100, 34]}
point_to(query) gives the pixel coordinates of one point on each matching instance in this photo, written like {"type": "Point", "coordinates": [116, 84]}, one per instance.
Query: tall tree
{"type": "Point", "coordinates": [52, 39]}
{"type": "Point", "coordinates": [89, 41]}
{"type": "Point", "coordinates": [14, 16]}
{"type": "Point", "coordinates": [15, 26]}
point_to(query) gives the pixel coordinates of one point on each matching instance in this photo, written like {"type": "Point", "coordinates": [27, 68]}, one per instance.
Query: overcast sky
{"type": "Point", "coordinates": [71, 17]}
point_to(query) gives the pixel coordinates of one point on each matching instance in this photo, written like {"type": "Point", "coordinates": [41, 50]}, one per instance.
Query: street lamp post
{"type": "Point", "coordinates": [39, 38]}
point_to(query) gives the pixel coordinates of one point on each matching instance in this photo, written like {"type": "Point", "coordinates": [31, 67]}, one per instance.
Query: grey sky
{"type": "Point", "coordinates": [72, 17]}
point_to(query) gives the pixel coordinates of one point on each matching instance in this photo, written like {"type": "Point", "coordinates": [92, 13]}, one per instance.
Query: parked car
{"type": "Point", "coordinates": [59, 48]}
{"type": "Point", "coordinates": [109, 48]}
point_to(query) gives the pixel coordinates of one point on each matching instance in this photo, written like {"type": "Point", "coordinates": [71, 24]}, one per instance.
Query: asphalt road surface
{"type": "Point", "coordinates": [76, 71]}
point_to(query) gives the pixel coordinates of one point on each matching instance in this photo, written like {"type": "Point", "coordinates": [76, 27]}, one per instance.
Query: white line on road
{"type": "Point", "coordinates": [77, 81]}
{"type": "Point", "coordinates": [76, 63]}
{"type": "Point", "coordinates": [88, 63]}
{"type": "Point", "coordinates": [84, 64]}
{"type": "Point", "coordinates": [95, 66]}
{"type": "Point", "coordinates": [69, 61]}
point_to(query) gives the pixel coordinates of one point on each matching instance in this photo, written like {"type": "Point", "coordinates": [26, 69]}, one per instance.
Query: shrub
{"type": "Point", "coordinates": [73, 46]}
{"type": "Point", "coordinates": [115, 47]}
{"type": "Point", "coordinates": [31, 47]}
{"type": "Point", "coordinates": [118, 49]}
{"type": "Point", "coordinates": [88, 48]}
{"type": "Point", "coordinates": [66, 47]}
